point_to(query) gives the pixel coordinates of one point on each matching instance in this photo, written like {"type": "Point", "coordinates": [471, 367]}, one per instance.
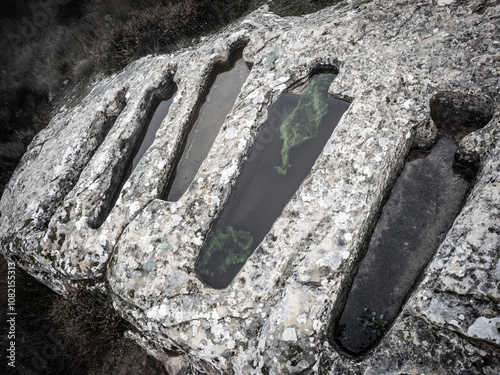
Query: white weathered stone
{"type": "Point", "coordinates": [486, 329]}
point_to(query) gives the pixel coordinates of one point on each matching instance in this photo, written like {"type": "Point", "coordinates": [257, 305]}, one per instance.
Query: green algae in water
{"type": "Point", "coordinates": [236, 244]}
{"type": "Point", "coordinates": [304, 122]}
{"type": "Point", "coordinates": [260, 193]}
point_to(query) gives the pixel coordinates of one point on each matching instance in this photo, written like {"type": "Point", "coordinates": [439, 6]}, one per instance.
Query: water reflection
{"type": "Point", "coordinates": [150, 124]}
{"type": "Point", "coordinates": [212, 113]}
{"type": "Point", "coordinates": [262, 190]}
{"type": "Point", "coordinates": [160, 113]}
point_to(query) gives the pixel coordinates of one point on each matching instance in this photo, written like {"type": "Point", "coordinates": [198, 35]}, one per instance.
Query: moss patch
{"type": "Point", "coordinates": [52, 236]}
{"type": "Point", "coordinates": [27, 222]}
{"type": "Point", "coordinates": [18, 242]}
{"type": "Point", "coordinates": [294, 354]}
{"type": "Point", "coordinates": [304, 122]}
{"type": "Point", "coordinates": [62, 238]}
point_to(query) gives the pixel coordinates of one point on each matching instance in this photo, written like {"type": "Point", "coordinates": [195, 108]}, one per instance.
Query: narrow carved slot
{"type": "Point", "coordinates": [424, 202]}
{"type": "Point", "coordinates": [97, 133]}
{"type": "Point", "coordinates": [158, 116]}
{"type": "Point", "coordinates": [223, 89]}
{"type": "Point", "coordinates": [158, 103]}
{"type": "Point", "coordinates": [285, 149]}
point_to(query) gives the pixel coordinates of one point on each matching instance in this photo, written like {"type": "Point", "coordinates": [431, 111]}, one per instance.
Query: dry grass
{"type": "Point", "coordinates": [105, 35]}
{"type": "Point", "coordinates": [90, 316]}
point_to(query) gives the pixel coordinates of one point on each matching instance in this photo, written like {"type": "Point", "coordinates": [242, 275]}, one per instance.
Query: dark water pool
{"type": "Point", "coordinates": [160, 113]}
{"type": "Point", "coordinates": [424, 201]}
{"type": "Point", "coordinates": [284, 152]}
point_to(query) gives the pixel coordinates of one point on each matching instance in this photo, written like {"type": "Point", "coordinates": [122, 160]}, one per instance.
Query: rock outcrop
{"type": "Point", "coordinates": [395, 58]}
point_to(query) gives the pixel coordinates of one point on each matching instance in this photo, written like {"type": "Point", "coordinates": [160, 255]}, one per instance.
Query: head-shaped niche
{"type": "Point", "coordinates": [456, 114]}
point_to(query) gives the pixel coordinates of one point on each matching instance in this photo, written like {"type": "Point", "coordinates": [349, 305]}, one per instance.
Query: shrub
{"type": "Point", "coordinates": [90, 341]}
{"type": "Point", "coordinates": [88, 315]}
{"type": "Point", "coordinates": [160, 27]}
{"type": "Point", "coordinates": [149, 31]}
{"type": "Point", "coordinates": [11, 152]}
{"type": "Point", "coordinates": [17, 107]}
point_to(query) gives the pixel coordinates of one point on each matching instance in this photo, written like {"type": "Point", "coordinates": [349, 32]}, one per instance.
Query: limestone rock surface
{"type": "Point", "coordinates": [393, 58]}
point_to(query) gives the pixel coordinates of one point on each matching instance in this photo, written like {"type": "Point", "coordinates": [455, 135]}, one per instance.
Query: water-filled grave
{"type": "Point", "coordinates": [224, 86]}
{"type": "Point", "coordinates": [425, 199]}
{"type": "Point", "coordinates": [158, 116]}
{"type": "Point", "coordinates": [285, 149]}
{"type": "Point", "coordinates": [159, 104]}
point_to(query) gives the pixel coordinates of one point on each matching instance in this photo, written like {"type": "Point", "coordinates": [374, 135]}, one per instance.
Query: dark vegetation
{"type": "Point", "coordinates": [79, 335]}
{"type": "Point", "coordinates": [300, 7]}
{"type": "Point", "coordinates": [51, 51]}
